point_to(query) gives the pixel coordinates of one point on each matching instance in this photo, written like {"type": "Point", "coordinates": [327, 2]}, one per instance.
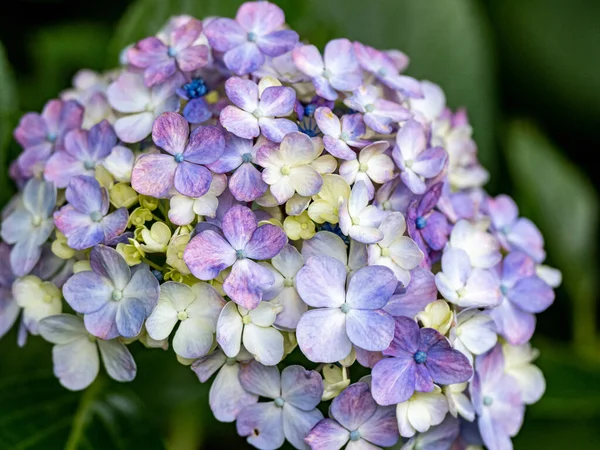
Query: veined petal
{"type": "Point", "coordinates": [322, 337]}
{"type": "Point", "coordinates": [76, 363]}
{"type": "Point", "coordinates": [208, 254]}
{"type": "Point", "coordinates": [247, 282]}
{"type": "Point", "coordinates": [118, 362]}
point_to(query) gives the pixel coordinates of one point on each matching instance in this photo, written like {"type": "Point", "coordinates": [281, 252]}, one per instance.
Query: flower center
{"type": "Point", "coordinates": [171, 52]}
{"type": "Point", "coordinates": [179, 158]}
{"type": "Point", "coordinates": [240, 254]}
{"type": "Point", "coordinates": [288, 283]}
{"type": "Point", "coordinates": [461, 292]}
{"type": "Point", "coordinates": [408, 163]}
{"type": "Point", "coordinates": [230, 361]}
{"type": "Point", "coordinates": [386, 205]}
{"type": "Point", "coordinates": [421, 222]}
{"type": "Point", "coordinates": [52, 137]}
{"type": "Point", "coordinates": [487, 400]}
{"type": "Point", "coordinates": [195, 88]}
{"type": "Point", "coordinates": [355, 435]}
{"type": "Point", "coordinates": [503, 289]}
{"type": "Point", "coordinates": [420, 357]}
{"type": "Point", "coordinates": [257, 113]}
{"type": "Point", "coordinates": [326, 73]}
{"type": "Point", "coordinates": [285, 170]}
{"type": "Point", "coordinates": [382, 72]}
{"type": "Point", "coordinates": [179, 255]}
{"type": "Point", "coordinates": [36, 221]}
{"type": "Point", "coordinates": [385, 252]}
{"type": "Point", "coordinates": [117, 295]}
{"type": "Point", "coordinates": [344, 136]}
{"type": "Point", "coordinates": [370, 108]}
{"type": "Point", "coordinates": [363, 167]}
{"type": "Point", "coordinates": [252, 36]}
{"type": "Point", "coordinates": [279, 402]}
{"type": "Point", "coordinates": [182, 315]}
{"type": "Point", "coordinates": [246, 320]}
{"type": "Point", "coordinates": [345, 308]}
{"type": "Point", "coordinates": [309, 110]}
{"type": "Point", "coordinates": [247, 157]}
{"type": "Point", "coordinates": [505, 229]}
{"type": "Point", "coordinates": [96, 216]}
{"type": "Point", "coordinates": [89, 165]}
{"type": "Point", "coordinates": [356, 221]}
{"type": "Point", "coordinates": [304, 226]}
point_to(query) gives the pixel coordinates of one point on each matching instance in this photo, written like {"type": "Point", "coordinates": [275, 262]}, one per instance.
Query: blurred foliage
{"type": "Point", "coordinates": [526, 71]}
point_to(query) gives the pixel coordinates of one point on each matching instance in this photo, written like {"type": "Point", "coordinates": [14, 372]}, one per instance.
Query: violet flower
{"type": "Point", "coordinates": [419, 358]}
{"type": "Point", "coordinates": [339, 136]}
{"type": "Point", "coordinates": [114, 298]}
{"type": "Point", "coordinates": [523, 295]}
{"type": "Point", "coordinates": [378, 113]}
{"type": "Point", "coordinates": [83, 151]}
{"type": "Point", "coordinates": [382, 66]}
{"type": "Point", "coordinates": [242, 242]}
{"type": "Point", "coordinates": [9, 310]}
{"type": "Point", "coordinates": [182, 168]}
{"type": "Point", "coordinates": [29, 225]}
{"type": "Point", "coordinates": [256, 32]}
{"type": "Point", "coordinates": [336, 70]}
{"type": "Point", "coordinates": [343, 316]}
{"type": "Point", "coordinates": [161, 59]}
{"type": "Point", "coordinates": [245, 183]}
{"type": "Point", "coordinates": [497, 401]}
{"type": "Point", "coordinates": [258, 109]}
{"type": "Point", "coordinates": [415, 158]}
{"type": "Point", "coordinates": [226, 396]}
{"type": "Point", "coordinates": [355, 417]}
{"type": "Point", "coordinates": [411, 299]}
{"type": "Point", "coordinates": [85, 220]}
{"type": "Point", "coordinates": [295, 392]}
{"type": "Point", "coordinates": [42, 134]}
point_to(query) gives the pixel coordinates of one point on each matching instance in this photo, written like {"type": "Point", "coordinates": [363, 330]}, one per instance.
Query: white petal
{"type": "Point", "coordinates": [265, 344]}
{"type": "Point", "coordinates": [229, 330]}
{"type": "Point", "coordinates": [76, 364]}
{"type": "Point", "coordinates": [118, 362]}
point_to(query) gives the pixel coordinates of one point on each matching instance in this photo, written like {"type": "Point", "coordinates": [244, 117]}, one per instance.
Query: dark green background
{"type": "Point", "coordinates": [528, 71]}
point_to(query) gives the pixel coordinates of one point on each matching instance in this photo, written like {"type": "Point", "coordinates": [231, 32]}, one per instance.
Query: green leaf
{"type": "Point", "coordinates": [556, 195]}
{"type": "Point", "coordinates": [8, 112]}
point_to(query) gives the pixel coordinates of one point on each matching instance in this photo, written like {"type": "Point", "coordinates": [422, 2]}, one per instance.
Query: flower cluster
{"type": "Point", "coordinates": [235, 194]}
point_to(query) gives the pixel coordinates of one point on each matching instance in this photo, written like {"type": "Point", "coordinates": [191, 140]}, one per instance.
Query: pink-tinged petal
{"type": "Point", "coordinates": [266, 242]}
{"type": "Point", "coordinates": [482, 289]}
{"type": "Point", "coordinates": [382, 428]}
{"type": "Point", "coordinates": [239, 224]}
{"type": "Point", "coordinates": [76, 364]}
{"type": "Point", "coordinates": [277, 101]}
{"type": "Point", "coordinates": [101, 140]}
{"type": "Point", "coordinates": [134, 128]}
{"type": "Point", "coordinates": [308, 59]}
{"type": "Point", "coordinates": [370, 288]}
{"type": "Point", "coordinates": [32, 130]}
{"type": "Point", "coordinates": [324, 88]}
{"type": "Point", "coordinates": [71, 116]}
{"type": "Point", "coordinates": [170, 132]}
{"type": "Point", "coordinates": [515, 267]}
{"type": "Point", "coordinates": [371, 330]}
{"type": "Point", "coordinates": [293, 308]}
{"type": "Point", "coordinates": [243, 59]}
{"type": "Point", "coordinates": [513, 324]}
{"type": "Point", "coordinates": [224, 34]}
{"type": "Point", "coordinates": [208, 254]}
{"type": "Point", "coordinates": [430, 162]}
{"type": "Point", "coordinates": [160, 72]}
{"type": "Point", "coordinates": [153, 175]}
{"type": "Point", "coordinates": [260, 17]}
{"type": "Point", "coordinates": [327, 435]}
{"type": "Point", "coordinates": [185, 35]}
{"type": "Point", "coordinates": [340, 58]}
{"type": "Point", "coordinates": [354, 126]}
{"type": "Point", "coordinates": [262, 423]}
{"type": "Point", "coordinates": [246, 183]}
{"type": "Point", "coordinates": [277, 43]}
{"type": "Point", "coordinates": [128, 94]}
{"type": "Point", "coordinates": [413, 182]}
{"type": "Point", "coordinates": [61, 167]}
{"type": "Point", "coordinates": [392, 111]}
{"type": "Point", "coordinates": [298, 423]}
{"type": "Point", "coordinates": [338, 148]}
{"type": "Point", "coordinates": [192, 180]}
{"type": "Point", "coordinates": [102, 323]}
{"type": "Point", "coordinates": [525, 236]}
{"type": "Point", "coordinates": [247, 282]}
{"type": "Point", "coordinates": [393, 380]}
{"type": "Point", "coordinates": [107, 262]}
{"type": "Point", "coordinates": [322, 337]}
{"type": "Point", "coordinates": [406, 338]}
{"type": "Point", "coordinates": [366, 358]}
{"type": "Point", "coordinates": [322, 282]}
{"type": "Point", "coordinates": [114, 224]}
{"type": "Point", "coordinates": [227, 397]}
{"type": "Point", "coordinates": [240, 123]}
{"type": "Point", "coordinates": [301, 388]}
{"type": "Point", "coordinates": [32, 161]}
{"type": "Point", "coordinates": [354, 406]}
{"type": "Point", "coordinates": [276, 129]}
{"type": "Point", "coordinates": [118, 362]}
{"type": "Point", "coordinates": [206, 145]}
{"type": "Point", "coordinates": [86, 292]}
{"type": "Point", "coordinates": [147, 52]}
{"type": "Point", "coordinates": [328, 122]}
{"type": "Point", "coordinates": [260, 380]}
{"type": "Point", "coordinates": [130, 317]}
{"type": "Point", "coordinates": [411, 141]}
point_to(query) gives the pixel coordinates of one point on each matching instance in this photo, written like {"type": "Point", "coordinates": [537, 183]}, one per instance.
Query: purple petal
{"type": "Point", "coordinates": [531, 295]}
{"type": "Point", "coordinates": [192, 180]}
{"type": "Point", "coordinates": [301, 388]}
{"type": "Point", "coordinates": [321, 282]}
{"type": "Point", "coordinates": [206, 145]}
{"type": "Point", "coordinates": [80, 230]}
{"type": "Point", "coordinates": [170, 132]}
{"type": "Point", "coordinates": [143, 286]}
{"type": "Point", "coordinates": [381, 428]}
{"type": "Point", "coordinates": [393, 380]}
{"type": "Point", "coordinates": [406, 338]}
{"type": "Point", "coordinates": [513, 324]}
{"type": "Point", "coordinates": [9, 311]}
{"type": "Point", "coordinates": [224, 34]}
{"type": "Point", "coordinates": [31, 130]}
{"type": "Point", "coordinates": [239, 122]}
{"type": "Point", "coordinates": [246, 183]}
{"type": "Point", "coordinates": [86, 292]}
{"type": "Point", "coordinates": [327, 435]}
{"type": "Point", "coordinates": [423, 379]}
{"type": "Point", "coordinates": [430, 162]}
{"type": "Point", "coordinates": [61, 167]}
{"type": "Point", "coordinates": [436, 231]}
{"type": "Point", "coordinates": [227, 397]}
{"type": "Point", "coordinates": [371, 330]}
{"type": "Point", "coordinates": [247, 282]}
{"type": "Point", "coordinates": [107, 262]}
{"type": "Point", "coordinates": [277, 101]}
{"type": "Point", "coordinates": [502, 210]}
{"type": "Point", "coordinates": [338, 148]}
{"type": "Point", "coordinates": [266, 242]}
{"type": "Point", "coordinates": [86, 195]}
{"type": "Point", "coordinates": [160, 72]}
{"type": "Point", "coordinates": [261, 380]}
{"type": "Point", "coordinates": [525, 236]}
{"type": "Point", "coordinates": [147, 52]}
{"type": "Point", "coordinates": [447, 366]}
{"type": "Point", "coordinates": [102, 323]}
{"type": "Point", "coordinates": [371, 287]}
{"type": "Point", "coordinates": [197, 111]}
{"type": "Point", "coordinates": [262, 423]}
{"type": "Point", "coordinates": [298, 423]}
{"type": "Point", "coordinates": [321, 335]}
{"type": "Point", "coordinates": [340, 58]}
{"type": "Point", "coordinates": [114, 224]}
{"type": "Point", "coordinates": [276, 129]}
{"type": "Point", "coordinates": [411, 300]}
{"type": "Point", "coordinates": [354, 406]}
{"type": "Point", "coordinates": [244, 59]}
{"type": "Point", "coordinates": [260, 17]}
{"type": "Point", "coordinates": [118, 362]}
{"type": "Point", "coordinates": [192, 58]}
{"type": "Point", "coordinates": [153, 175]}
{"type": "Point", "coordinates": [278, 42]}
{"type": "Point", "coordinates": [243, 93]}
{"type": "Point", "coordinates": [308, 59]}
{"type": "Point", "coordinates": [430, 199]}
{"type": "Point", "coordinates": [239, 224]}
{"type": "Point", "coordinates": [208, 254]}
{"type": "Point", "coordinates": [32, 161]}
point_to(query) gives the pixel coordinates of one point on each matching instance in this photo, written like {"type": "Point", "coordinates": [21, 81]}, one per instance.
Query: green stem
{"type": "Point", "coordinates": [153, 265]}
{"type": "Point", "coordinates": [83, 415]}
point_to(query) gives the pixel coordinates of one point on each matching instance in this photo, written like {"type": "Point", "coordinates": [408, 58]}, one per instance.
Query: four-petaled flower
{"type": "Point", "coordinates": [372, 165]}
{"type": "Point", "coordinates": [358, 219]}
{"type": "Point", "coordinates": [341, 135]}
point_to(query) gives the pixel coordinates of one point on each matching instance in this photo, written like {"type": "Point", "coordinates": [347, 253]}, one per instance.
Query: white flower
{"type": "Point", "coordinates": [481, 247]}
{"type": "Point", "coordinates": [458, 402]}
{"type": "Point", "coordinates": [335, 380]}
{"type": "Point", "coordinates": [184, 209]}
{"type": "Point", "coordinates": [156, 239]}
{"type": "Point", "coordinates": [39, 299]}
{"type": "Point", "coordinates": [474, 333]}
{"type": "Point", "coordinates": [120, 163]}
{"type": "Point", "coordinates": [437, 315]}
{"type": "Point", "coordinates": [358, 219]}
{"type": "Point", "coordinates": [517, 364]}
{"type": "Point", "coordinates": [420, 412]}
{"type": "Point", "coordinates": [372, 165]}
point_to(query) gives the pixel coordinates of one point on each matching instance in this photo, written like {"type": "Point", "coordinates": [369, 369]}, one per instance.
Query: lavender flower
{"type": "Point", "coordinates": [295, 392]}
{"type": "Point", "coordinates": [343, 316]}
{"type": "Point", "coordinates": [326, 243]}
{"type": "Point", "coordinates": [336, 70]}
{"type": "Point", "coordinates": [85, 221]}
{"type": "Point", "coordinates": [42, 134]}
{"type": "Point", "coordinates": [83, 151]}
{"type": "Point", "coordinates": [372, 166]}
{"type": "Point", "coordinates": [411, 299]}
{"type": "Point", "coordinates": [419, 358]}
{"type": "Point", "coordinates": [440, 437]}
{"type": "Point", "coordinates": [358, 219]}
{"type": "Point", "coordinates": [114, 299]}
{"type": "Point", "coordinates": [258, 109]}
{"type": "Point", "coordinates": [75, 355]}
{"type": "Point", "coordinates": [29, 225]}
{"type": "Point", "coordinates": [242, 241]}
{"type": "Point", "coordinates": [339, 136]}
{"type": "Point", "coordinates": [161, 60]}
{"type": "Point", "coordinates": [255, 32]}
{"type": "Point", "coordinates": [182, 168]}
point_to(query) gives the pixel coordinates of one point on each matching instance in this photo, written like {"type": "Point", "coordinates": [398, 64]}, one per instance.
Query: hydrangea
{"type": "Point", "coordinates": [282, 221]}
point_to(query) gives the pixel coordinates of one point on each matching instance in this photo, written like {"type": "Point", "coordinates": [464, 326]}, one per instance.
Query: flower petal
{"type": "Point", "coordinates": [263, 424]}
{"type": "Point", "coordinates": [321, 282]}
{"type": "Point", "coordinates": [229, 330]}
{"type": "Point", "coordinates": [192, 180]}
{"type": "Point", "coordinates": [370, 288]}
{"type": "Point", "coordinates": [354, 406]}
{"type": "Point", "coordinates": [260, 380]}
{"type": "Point", "coordinates": [76, 363]}
{"type": "Point", "coordinates": [207, 254]}
{"type": "Point", "coordinates": [326, 435]}
{"type": "Point", "coordinates": [227, 397]}
{"type": "Point", "coordinates": [170, 132]}
{"type": "Point", "coordinates": [130, 316]}
{"type": "Point", "coordinates": [298, 423]}
{"type": "Point", "coordinates": [266, 242]}
{"type": "Point", "coordinates": [371, 330]}
{"type": "Point", "coordinates": [301, 388]}
{"type": "Point", "coordinates": [194, 338]}
{"type": "Point", "coordinates": [87, 292]}
{"type": "Point", "coordinates": [322, 337]}
{"type": "Point", "coordinates": [240, 123]}
{"type": "Point", "coordinates": [153, 175]}
{"type": "Point", "coordinates": [393, 380]}
{"type": "Point", "coordinates": [118, 362]}
{"type": "Point", "coordinates": [264, 343]}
